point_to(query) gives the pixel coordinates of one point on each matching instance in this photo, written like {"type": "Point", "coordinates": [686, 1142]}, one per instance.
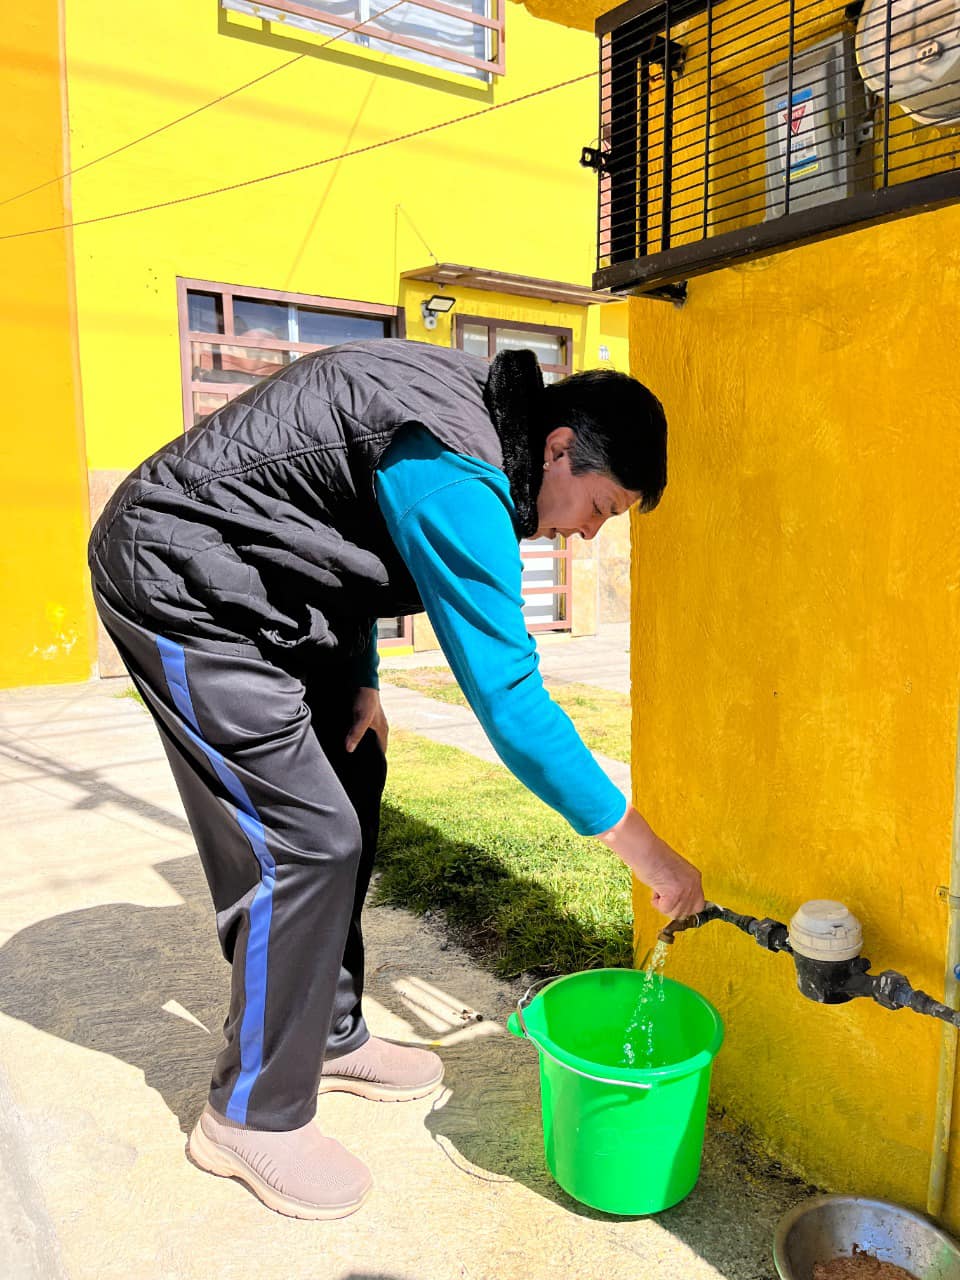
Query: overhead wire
{"type": "Point", "coordinates": [231, 93]}
{"type": "Point", "coordinates": [302, 168]}
{"type": "Point", "coordinates": [417, 232]}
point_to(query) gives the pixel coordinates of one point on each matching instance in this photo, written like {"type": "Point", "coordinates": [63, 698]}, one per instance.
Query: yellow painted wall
{"type": "Point", "coordinates": [796, 667]}
{"type": "Point", "coordinates": [46, 635]}
{"type": "Point", "coordinates": [580, 14]}
{"type": "Point", "coordinates": [502, 191]}
{"type": "Point", "coordinates": [796, 650]}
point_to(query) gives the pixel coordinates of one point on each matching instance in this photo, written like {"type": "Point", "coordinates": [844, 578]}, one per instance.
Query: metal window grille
{"type": "Point", "coordinates": [733, 130]}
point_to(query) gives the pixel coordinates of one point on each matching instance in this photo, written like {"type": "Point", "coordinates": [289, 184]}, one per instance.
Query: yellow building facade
{"type": "Point", "coordinates": [46, 616]}
{"type": "Point", "coordinates": [149, 117]}
{"type": "Point", "coordinates": [796, 667]}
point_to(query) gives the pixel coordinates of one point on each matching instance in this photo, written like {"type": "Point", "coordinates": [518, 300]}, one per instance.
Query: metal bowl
{"type": "Point", "coordinates": [828, 1227]}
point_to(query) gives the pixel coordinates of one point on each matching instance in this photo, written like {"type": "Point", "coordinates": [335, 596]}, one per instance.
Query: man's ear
{"type": "Point", "coordinates": [557, 443]}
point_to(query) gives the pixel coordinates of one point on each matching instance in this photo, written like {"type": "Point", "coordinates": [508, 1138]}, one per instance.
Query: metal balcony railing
{"type": "Point", "coordinates": [733, 130]}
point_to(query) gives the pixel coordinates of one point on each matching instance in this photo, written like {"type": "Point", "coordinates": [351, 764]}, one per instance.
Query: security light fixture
{"type": "Point", "coordinates": [595, 158]}
{"type": "Point", "coordinates": [437, 304]}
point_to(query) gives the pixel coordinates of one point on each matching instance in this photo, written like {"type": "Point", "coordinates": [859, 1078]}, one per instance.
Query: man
{"type": "Point", "coordinates": [240, 571]}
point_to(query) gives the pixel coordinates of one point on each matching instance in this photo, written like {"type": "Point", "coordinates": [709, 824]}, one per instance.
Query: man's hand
{"type": "Point", "coordinates": [677, 890]}
{"type": "Point", "coordinates": [676, 884]}
{"type": "Point", "coordinates": [367, 714]}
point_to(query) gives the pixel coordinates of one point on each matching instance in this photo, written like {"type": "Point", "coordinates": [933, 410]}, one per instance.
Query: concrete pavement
{"type": "Point", "coordinates": [112, 991]}
{"type": "Point", "coordinates": [602, 660]}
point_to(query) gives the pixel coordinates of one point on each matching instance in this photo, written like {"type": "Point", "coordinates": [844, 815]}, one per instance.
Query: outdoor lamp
{"type": "Point", "coordinates": [436, 305]}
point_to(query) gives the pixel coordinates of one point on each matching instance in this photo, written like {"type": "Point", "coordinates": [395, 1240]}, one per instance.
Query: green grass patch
{"type": "Point", "coordinates": [432, 682]}
{"type": "Point", "coordinates": [518, 887]}
{"type": "Point", "coordinates": [602, 716]}
{"type": "Point", "coordinates": [521, 889]}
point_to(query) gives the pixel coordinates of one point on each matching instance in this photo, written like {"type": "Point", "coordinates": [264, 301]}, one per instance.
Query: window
{"type": "Point", "coordinates": [545, 583]}
{"type": "Point", "coordinates": [231, 337]}
{"type": "Point", "coordinates": [465, 36]}
{"type": "Point", "coordinates": [487, 337]}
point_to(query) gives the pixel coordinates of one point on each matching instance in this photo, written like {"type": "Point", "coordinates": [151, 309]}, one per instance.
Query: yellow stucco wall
{"type": "Point", "coordinates": [796, 667]}
{"type": "Point", "coordinates": [503, 191]}
{"type": "Point", "coordinates": [569, 13]}
{"type": "Point", "coordinates": [795, 660]}
{"type": "Point", "coordinates": [485, 192]}
{"type": "Point", "coordinates": [46, 635]}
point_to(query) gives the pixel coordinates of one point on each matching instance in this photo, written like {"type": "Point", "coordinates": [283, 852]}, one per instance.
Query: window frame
{"type": "Point", "coordinates": [396, 326]}
{"type": "Point", "coordinates": [493, 324]}
{"type": "Point", "coordinates": [395, 317]}
{"type": "Point", "coordinates": [564, 555]}
{"type": "Point", "coordinates": [496, 25]}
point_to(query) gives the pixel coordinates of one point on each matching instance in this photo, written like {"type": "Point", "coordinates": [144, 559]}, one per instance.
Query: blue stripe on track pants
{"type": "Point", "coordinates": [285, 823]}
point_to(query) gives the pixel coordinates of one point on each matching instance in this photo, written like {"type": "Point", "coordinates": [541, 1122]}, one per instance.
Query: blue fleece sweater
{"type": "Point", "coordinates": [450, 517]}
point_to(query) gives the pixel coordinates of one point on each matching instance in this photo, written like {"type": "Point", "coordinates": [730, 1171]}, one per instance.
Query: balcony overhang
{"type": "Point", "coordinates": [455, 275]}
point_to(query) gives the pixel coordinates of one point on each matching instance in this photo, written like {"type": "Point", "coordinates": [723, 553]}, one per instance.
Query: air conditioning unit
{"type": "Point", "coordinates": [910, 50]}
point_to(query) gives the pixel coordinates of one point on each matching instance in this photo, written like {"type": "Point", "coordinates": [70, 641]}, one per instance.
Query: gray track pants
{"type": "Point", "coordinates": [286, 824]}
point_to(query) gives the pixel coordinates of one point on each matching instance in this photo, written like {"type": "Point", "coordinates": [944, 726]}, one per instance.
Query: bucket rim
{"type": "Point", "coordinates": [628, 1075]}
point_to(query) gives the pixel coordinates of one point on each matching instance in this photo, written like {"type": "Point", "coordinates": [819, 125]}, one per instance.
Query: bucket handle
{"type": "Point", "coordinates": [523, 1002]}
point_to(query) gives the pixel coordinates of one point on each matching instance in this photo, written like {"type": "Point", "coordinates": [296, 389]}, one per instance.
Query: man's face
{"type": "Point", "coordinates": [570, 504]}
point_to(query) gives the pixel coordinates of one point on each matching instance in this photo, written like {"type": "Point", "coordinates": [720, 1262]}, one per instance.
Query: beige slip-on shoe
{"type": "Point", "coordinates": [383, 1072]}
{"type": "Point", "coordinates": [299, 1173]}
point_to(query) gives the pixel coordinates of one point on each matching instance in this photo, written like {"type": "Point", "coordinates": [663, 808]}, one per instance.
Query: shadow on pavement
{"type": "Point", "coordinates": [98, 790]}
{"type": "Point", "coordinates": [101, 977]}
{"type": "Point", "coordinates": [491, 1128]}
{"type": "Point", "coordinates": [134, 982]}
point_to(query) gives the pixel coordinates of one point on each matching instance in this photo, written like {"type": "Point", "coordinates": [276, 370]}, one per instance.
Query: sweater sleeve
{"type": "Point", "coordinates": [450, 518]}
{"type": "Point", "coordinates": [366, 663]}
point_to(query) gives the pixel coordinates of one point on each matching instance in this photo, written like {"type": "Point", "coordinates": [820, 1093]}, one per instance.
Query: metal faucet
{"type": "Point", "coordinates": [824, 940]}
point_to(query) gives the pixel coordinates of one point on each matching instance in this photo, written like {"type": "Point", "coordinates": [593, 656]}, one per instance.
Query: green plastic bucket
{"type": "Point", "coordinates": [619, 1136]}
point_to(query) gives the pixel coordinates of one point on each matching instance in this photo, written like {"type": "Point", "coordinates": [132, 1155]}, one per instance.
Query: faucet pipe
{"type": "Point", "coordinates": [893, 991]}
{"type": "Point", "coordinates": [769, 934]}
{"type": "Point", "coordinates": [946, 1081]}
{"type": "Point", "coordinates": [821, 980]}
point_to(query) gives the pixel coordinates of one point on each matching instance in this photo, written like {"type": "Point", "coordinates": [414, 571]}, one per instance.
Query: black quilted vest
{"type": "Point", "coordinates": [261, 523]}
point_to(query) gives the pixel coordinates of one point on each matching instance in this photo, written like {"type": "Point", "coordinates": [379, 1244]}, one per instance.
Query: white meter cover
{"type": "Point", "coordinates": [825, 930]}
{"type": "Point", "coordinates": [924, 55]}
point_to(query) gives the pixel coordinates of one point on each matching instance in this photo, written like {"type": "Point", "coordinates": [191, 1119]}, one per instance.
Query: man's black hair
{"type": "Point", "coordinates": [620, 429]}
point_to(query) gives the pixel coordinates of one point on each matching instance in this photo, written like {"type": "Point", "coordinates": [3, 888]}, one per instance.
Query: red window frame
{"type": "Point", "coordinates": [395, 327]}
{"type": "Point", "coordinates": [394, 317]}
{"type": "Point", "coordinates": [491, 66]}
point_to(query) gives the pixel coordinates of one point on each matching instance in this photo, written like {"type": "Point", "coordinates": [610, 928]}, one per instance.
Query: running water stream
{"type": "Point", "coordinates": [639, 1046]}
